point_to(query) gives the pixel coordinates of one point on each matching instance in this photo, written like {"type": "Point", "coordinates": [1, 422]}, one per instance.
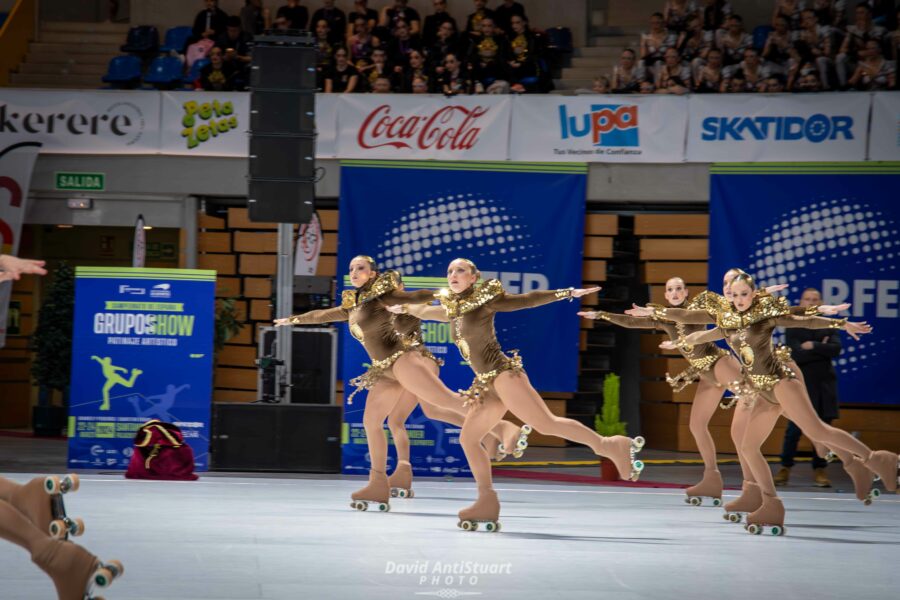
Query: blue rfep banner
{"type": "Point", "coordinates": [142, 349]}
{"type": "Point", "coordinates": [835, 228]}
{"type": "Point", "coordinates": [520, 223]}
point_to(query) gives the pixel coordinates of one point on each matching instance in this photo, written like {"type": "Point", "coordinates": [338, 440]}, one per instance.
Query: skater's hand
{"type": "Point", "coordinates": [588, 314]}
{"type": "Point", "coordinates": [398, 309]}
{"type": "Point", "coordinates": [776, 288]}
{"type": "Point", "coordinates": [280, 322]}
{"type": "Point", "coordinates": [833, 309]}
{"type": "Point", "coordinates": [668, 345]}
{"type": "Point", "coordinates": [856, 329]}
{"type": "Point", "coordinates": [578, 293]}
{"type": "Point", "coordinates": [807, 345]}
{"type": "Point", "coordinates": [639, 311]}
{"type": "Point", "coordinates": [13, 267]}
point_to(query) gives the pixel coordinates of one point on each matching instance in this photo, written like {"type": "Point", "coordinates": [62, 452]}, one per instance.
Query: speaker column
{"type": "Point", "coordinates": [282, 165]}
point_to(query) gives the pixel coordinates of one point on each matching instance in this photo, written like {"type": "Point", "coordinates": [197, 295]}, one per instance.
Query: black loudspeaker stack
{"type": "Point", "coordinates": [282, 128]}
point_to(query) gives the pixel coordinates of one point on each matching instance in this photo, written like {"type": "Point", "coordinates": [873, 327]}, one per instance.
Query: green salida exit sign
{"type": "Point", "coordinates": [81, 182]}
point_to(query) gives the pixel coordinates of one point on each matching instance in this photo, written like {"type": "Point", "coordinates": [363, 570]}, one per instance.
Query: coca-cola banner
{"type": "Point", "coordinates": [627, 129]}
{"type": "Point", "coordinates": [74, 122]}
{"type": "Point", "coordinates": [424, 127]}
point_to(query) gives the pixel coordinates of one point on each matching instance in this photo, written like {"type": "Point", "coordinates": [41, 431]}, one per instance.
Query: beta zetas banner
{"type": "Point", "coordinates": [205, 123]}
{"type": "Point", "coordinates": [774, 128]}
{"type": "Point", "coordinates": [142, 349]}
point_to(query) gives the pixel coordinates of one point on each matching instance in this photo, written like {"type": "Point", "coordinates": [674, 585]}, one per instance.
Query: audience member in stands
{"type": "Point", "coordinates": [714, 13]}
{"type": "Point", "coordinates": [324, 51]}
{"type": "Point", "coordinates": [489, 57]}
{"type": "Point", "coordinates": [362, 11]}
{"type": "Point", "coordinates": [628, 74]}
{"type": "Point", "coordinates": [882, 12]}
{"type": "Point", "coordinates": [694, 43]}
{"type": "Point", "coordinates": [853, 49]}
{"type": "Point", "coordinates": [336, 19]}
{"type": "Point", "coordinates": [420, 86]}
{"type": "Point", "coordinates": [235, 45]}
{"type": "Point", "coordinates": [677, 12]}
{"type": "Point", "coordinates": [646, 87]}
{"type": "Point", "coordinates": [790, 11]}
{"type": "Point", "coordinates": [456, 77]}
{"type": "Point", "coordinates": [778, 44]}
{"type": "Point", "coordinates": [361, 43]}
{"type": "Point", "coordinates": [733, 40]}
{"type": "Point", "coordinates": [673, 76]}
{"type": "Point", "coordinates": [709, 78]}
{"type": "Point", "coordinates": [524, 66]}
{"type": "Point", "coordinates": [415, 68]}
{"type": "Point", "coordinates": [808, 81]}
{"type": "Point", "coordinates": [735, 82]}
{"type": "Point", "coordinates": [774, 84]}
{"type": "Point", "coordinates": [391, 16]}
{"type": "Point", "coordinates": [753, 69]}
{"type": "Point", "coordinates": [254, 17]}
{"type": "Point", "coordinates": [819, 39]}
{"type": "Point", "coordinates": [801, 61]}
{"type": "Point", "coordinates": [296, 14]}
{"type": "Point", "coordinates": [473, 21]}
{"type": "Point", "coordinates": [655, 42]}
{"type": "Point", "coordinates": [601, 85]}
{"type": "Point", "coordinates": [832, 13]}
{"type": "Point", "coordinates": [434, 21]}
{"type": "Point", "coordinates": [210, 22]}
{"type": "Point", "coordinates": [218, 75]}
{"type": "Point", "coordinates": [376, 67]}
{"type": "Point", "coordinates": [342, 77]}
{"type": "Point", "coordinates": [874, 72]}
{"type": "Point", "coordinates": [402, 42]}
{"type": "Point", "coordinates": [381, 85]}
{"type": "Point", "coordinates": [447, 42]}
{"type": "Point", "coordinates": [504, 13]}
{"type": "Point", "coordinates": [894, 40]}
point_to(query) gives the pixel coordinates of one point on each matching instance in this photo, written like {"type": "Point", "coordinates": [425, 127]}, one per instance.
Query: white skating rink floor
{"type": "Point", "coordinates": [253, 537]}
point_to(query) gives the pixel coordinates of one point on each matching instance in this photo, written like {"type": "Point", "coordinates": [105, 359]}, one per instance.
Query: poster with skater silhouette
{"type": "Point", "coordinates": [142, 349]}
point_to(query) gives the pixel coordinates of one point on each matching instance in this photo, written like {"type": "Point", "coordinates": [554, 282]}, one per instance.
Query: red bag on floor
{"type": "Point", "coordinates": [160, 453]}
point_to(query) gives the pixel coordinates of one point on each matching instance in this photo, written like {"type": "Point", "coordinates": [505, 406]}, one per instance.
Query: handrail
{"type": "Point", "coordinates": [15, 34]}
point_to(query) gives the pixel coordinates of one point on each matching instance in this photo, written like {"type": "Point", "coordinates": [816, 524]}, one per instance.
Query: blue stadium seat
{"type": "Point", "coordinates": [164, 71]}
{"type": "Point", "coordinates": [143, 39]}
{"type": "Point", "coordinates": [123, 71]}
{"type": "Point", "coordinates": [194, 73]}
{"type": "Point", "coordinates": [176, 39]}
{"type": "Point", "coordinates": [760, 35]}
{"type": "Point", "coordinates": [559, 39]}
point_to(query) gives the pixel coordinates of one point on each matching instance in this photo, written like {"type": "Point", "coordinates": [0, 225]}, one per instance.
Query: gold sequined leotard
{"type": "Point", "coordinates": [471, 316]}
{"type": "Point", "coordinates": [371, 323]}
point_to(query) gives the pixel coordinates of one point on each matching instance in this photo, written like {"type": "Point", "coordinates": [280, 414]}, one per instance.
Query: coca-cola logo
{"type": "Point", "coordinates": [451, 127]}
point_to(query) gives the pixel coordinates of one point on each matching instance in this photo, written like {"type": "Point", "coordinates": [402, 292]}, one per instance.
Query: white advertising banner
{"type": "Point", "coordinates": [16, 164]}
{"type": "Point", "coordinates": [884, 140]}
{"type": "Point", "coordinates": [422, 127]}
{"type": "Point", "coordinates": [628, 129]}
{"type": "Point", "coordinates": [787, 127]}
{"type": "Point", "coordinates": [326, 125]}
{"type": "Point", "coordinates": [205, 123]}
{"type": "Point", "coordinates": [75, 122]}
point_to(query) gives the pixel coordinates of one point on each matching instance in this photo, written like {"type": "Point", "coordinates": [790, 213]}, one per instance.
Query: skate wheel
{"type": "Point", "coordinates": [103, 577]}
{"type": "Point", "coordinates": [76, 527]}
{"type": "Point", "coordinates": [116, 567]}
{"type": "Point", "coordinates": [401, 494]}
{"type": "Point", "coordinates": [694, 501]}
{"type": "Point", "coordinates": [71, 483]}
{"type": "Point", "coordinates": [491, 527]}
{"type": "Point", "coordinates": [777, 530]}
{"type": "Point", "coordinates": [501, 449]}
{"type": "Point", "coordinates": [867, 501]}
{"type": "Point", "coordinates": [734, 518]}
{"type": "Point", "coordinates": [410, 494]}
{"type": "Point", "coordinates": [638, 443]}
{"type": "Point", "coordinates": [638, 465]}
{"type": "Point", "coordinates": [383, 507]}
{"type": "Point", "coordinates": [522, 444]}
{"type": "Point", "coordinates": [754, 529]}
{"type": "Point", "coordinates": [726, 516]}
{"type": "Point", "coordinates": [518, 454]}
{"type": "Point", "coordinates": [717, 502]}
{"type": "Point", "coordinates": [875, 494]}
{"type": "Point", "coordinates": [527, 429]}
{"type": "Point", "coordinates": [58, 529]}
{"type": "Point", "coordinates": [51, 485]}
{"type": "Point", "coordinates": [467, 525]}
{"type": "Point", "coordinates": [394, 492]}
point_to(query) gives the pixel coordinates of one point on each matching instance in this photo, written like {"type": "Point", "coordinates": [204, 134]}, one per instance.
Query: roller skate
{"type": "Point", "coordinates": [617, 448]}
{"type": "Point", "coordinates": [485, 511]}
{"type": "Point", "coordinates": [377, 493]}
{"type": "Point", "coordinates": [709, 487]}
{"type": "Point", "coordinates": [769, 516]}
{"type": "Point", "coordinates": [862, 481]}
{"type": "Point", "coordinates": [830, 457]}
{"type": "Point", "coordinates": [885, 465]}
{"type": "Point", "coordinates": [400, 480]}
{"type": "Point", "coordinates": [749, 500]}
{"type": "Point", "coordinates": [76, 573]}
{"type": "Point", "coordinates": [516, 443]}
{"type": "Point", "coordinates": [41, 501]}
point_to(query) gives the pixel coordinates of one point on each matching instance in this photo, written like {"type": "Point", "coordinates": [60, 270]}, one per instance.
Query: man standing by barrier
{"type": "Point", "coordinates": [813, 350]}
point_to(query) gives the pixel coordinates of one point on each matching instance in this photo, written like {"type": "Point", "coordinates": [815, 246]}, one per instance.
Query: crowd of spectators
{"type": "Point", "coordinates": [809, 46]}
{"type": "Point", "coordinates": [391, 50]}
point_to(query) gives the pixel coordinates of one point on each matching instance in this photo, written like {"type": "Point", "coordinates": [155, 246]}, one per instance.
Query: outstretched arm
{"type": "Point", "coordinates": [512, 302]}
{"type": "Point", "coordinates": [315, 317]}
{"type": "Point", "coordinates": [423, 312]}
{"type": "Point", "coordinates": [854, 328]}
{"type": "Point", "coordinates": [702, 337]}
{"type": "Point", "coordinates": [626, 321]}
{"type": "Point", "coordinates": [679, 315]}
{"type": "Point", "coordinates": [401, 297]}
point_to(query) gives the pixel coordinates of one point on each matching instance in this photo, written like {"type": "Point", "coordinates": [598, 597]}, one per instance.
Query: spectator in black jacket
{"type": "Point", "coordinates": [504, 13]}
{"type": "Point", "coordinates": [434, 22]}
{"type": "Point", "coordinates": [473, 21]}
{"type": "Point", "coordinates": [813, 350]}
{"type": "Point", "coordinates": [337, 21]}
{"type": "Point", "coordinates": [210, 22]}
{"type": "Point", "coordinates": [295, 13]}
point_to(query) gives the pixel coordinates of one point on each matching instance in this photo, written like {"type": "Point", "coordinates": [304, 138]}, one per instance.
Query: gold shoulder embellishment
{"type": "Point", "coordinates": [711, 302]}
{"type": "Point", "coordinates": [385, 283]}
{"type": "Point", "coordinates": [348, 299]}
